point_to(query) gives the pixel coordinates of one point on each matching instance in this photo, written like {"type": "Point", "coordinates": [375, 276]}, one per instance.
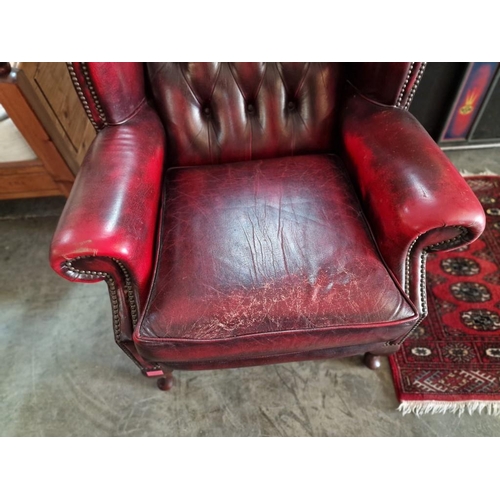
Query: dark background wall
{"type": "Point", "coordinates": [436, 95]}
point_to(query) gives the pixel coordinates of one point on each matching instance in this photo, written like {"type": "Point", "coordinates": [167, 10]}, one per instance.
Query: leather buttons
{"type": "Point", "coordinates": [206, 111]}
{"type": "Point", "coordinates": [250, 108]}
{"type": "Point", "coordinates": [291, 106]}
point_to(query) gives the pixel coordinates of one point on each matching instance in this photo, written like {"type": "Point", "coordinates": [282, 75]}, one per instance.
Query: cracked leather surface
{"type": "Point", "coordinates": [255, 248]}
{"type": "Point", "coordinates": [290, 268]}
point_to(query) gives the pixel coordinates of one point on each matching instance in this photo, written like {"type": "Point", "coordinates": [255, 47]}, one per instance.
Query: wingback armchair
{"type": "Point", "coordinates": [256, 213]}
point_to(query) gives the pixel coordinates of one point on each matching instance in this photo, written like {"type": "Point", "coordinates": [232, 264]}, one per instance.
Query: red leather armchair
{"type": "Point", "coordinates": [255, 213]}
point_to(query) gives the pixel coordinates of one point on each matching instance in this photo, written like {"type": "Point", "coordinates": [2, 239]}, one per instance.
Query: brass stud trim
{"type": "Point", "coordinates": [129, 290]}
{"type": "Point", "coordinates": [443, 245]}
{"type": "Point", "coordinates": [405, 84]}
{"type": "Point", "coordinates": [93, 93]}
{"type": "Point", "coordinates": [114, 301]}
{"type": "Point", "coordinates": [81, 95]}
{"type": "Point", "coordinates": [415, 85]}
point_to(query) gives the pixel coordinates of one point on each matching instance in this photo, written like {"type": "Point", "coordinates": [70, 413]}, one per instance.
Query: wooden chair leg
{"type": "Point", "coordinates": [372, 361]}
{"type": "Point", "coordinates": [167, 382]}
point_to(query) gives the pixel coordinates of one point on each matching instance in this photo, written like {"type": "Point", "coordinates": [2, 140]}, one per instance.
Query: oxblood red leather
{"type": "Point", "coordinates": [264, 258]}
{"type": "Point", "coordinates": [227, 112]}
{"type": "Point", "coordinates": [113, 207]}
{"type": "Point", "coordinates": [119, 89]}
{"type": "Point", "coordinates": [262, 252]}
{"type": "Point", "coordinates": [110, 93]}
{"type": "Point", "coordinates": [392, 84]}
{"type": "Point", "coordinates": [408, 187]}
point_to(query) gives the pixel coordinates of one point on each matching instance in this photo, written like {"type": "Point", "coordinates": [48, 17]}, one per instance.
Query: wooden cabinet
{"type": "Point", "coordinates": [44, 133]}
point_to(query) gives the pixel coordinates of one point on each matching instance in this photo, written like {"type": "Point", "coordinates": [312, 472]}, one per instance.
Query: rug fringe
{"type": "Point", "coordinates": [420, 408]}
{"type": "Point", "coordinates": [466, 173]}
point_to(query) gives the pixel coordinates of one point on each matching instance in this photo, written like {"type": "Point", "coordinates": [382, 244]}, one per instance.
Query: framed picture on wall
{"type": "Point", "coordinates": [469, 122]}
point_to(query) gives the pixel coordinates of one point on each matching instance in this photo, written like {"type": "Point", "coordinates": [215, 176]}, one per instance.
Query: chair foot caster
{"type": "Point", "coordinates": [165, 383]}
{"type": "Point", "coordinates": [372, 361]}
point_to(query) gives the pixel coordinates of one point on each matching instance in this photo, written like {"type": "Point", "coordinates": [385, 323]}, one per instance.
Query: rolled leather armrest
{"type": "Point", "coordinates": [412, 195]}
{"type": "Point", "coordinates": [111, 215]}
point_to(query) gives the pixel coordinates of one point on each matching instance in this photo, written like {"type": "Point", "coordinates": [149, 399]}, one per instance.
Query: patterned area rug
{"type": "Point", "coordinates": [452, 361]}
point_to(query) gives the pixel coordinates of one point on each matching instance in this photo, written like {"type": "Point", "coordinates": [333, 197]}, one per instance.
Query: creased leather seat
{"type": "Point", "coordinates": [263, 258]}
{"type": "Point", "coordinates": [253, 213]}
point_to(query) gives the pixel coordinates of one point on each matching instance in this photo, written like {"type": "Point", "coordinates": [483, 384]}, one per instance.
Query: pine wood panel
{"type": "Point", "coordinates": [49, 89]}
{"type": "Point", "coordinates": [42, 103]}
{"type": "Point", "coordinates": [21, 167]}
{"type": "Point", "coordinates": [29, 194]}
{"type": "Point", "coordinates": [32, 130]}
{"type": "Point", "coordinates": [19, 183]}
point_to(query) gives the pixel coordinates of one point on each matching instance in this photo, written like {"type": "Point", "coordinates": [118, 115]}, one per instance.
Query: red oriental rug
{"type": "Point", "coordinates": [452, 360]}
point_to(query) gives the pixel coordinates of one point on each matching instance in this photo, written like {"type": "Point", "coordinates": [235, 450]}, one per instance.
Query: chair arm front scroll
{"type": "Point", "coordinates": [107, 229]}
{"type": "Point", "coordinates": [414, 198]}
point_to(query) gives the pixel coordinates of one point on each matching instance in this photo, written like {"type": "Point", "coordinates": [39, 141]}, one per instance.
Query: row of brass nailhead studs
{"type": "Point", "coordinates": [415, 85]}
{"type": "Point", "coordinates": [423, 288]}
{"type": "Point", "coordinates": [93, 93]}
{"type": "Point", "coordinates": [81, 95]}
{"type": "Point", "coordinates": [405, 84]}
{"type": "Point", "coordinates": [114, 303]}
{"type": "Point", "coordinates": [423, 293]}
{"type": "Point", "coordinates": [112, 290]}
{"type": "Point", "coordinates": [130, 292]}
{"type": "Point", "coordinates": [443, 245]}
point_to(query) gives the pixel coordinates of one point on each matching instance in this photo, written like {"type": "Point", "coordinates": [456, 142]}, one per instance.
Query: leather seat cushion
{"type": "Point", "coordinates": [266, 257]}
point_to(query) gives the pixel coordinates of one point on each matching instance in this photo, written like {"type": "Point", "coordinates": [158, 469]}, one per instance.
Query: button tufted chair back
{"type": "Point", "coordinates": [225, 112]}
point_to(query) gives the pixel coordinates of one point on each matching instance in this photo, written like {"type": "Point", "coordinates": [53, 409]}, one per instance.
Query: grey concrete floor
{"type": "Point", "coordinates": [62, 375]}
{"type": "Point", "coordinates": [476, 161]}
